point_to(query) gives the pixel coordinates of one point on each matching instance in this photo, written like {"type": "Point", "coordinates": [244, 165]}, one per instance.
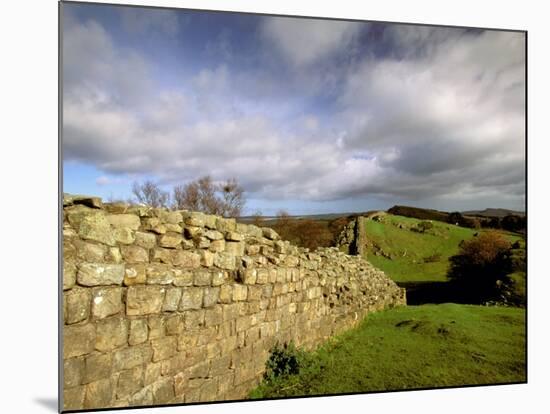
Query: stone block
{"type": "Point", "coordinates": [156, 326]}
{"type": "Point", "coordinates": [234, 236]}
{"type": "Point", "coordinates": [164, 348]}
{"type": "Point", "coordinates": [207, 258]}
{"type": "Point", "coordinates": [90, 251]}
{"type": "Point", "coordinates": [138, 331]}
{"type": "Point", "coordinates": [213, 235]}
{"type": "Point", "coordinates": [170, 240]}
{"type": "Point", "coordinates": [97, 274]}
{"type": "Point", "coordinates": [174, 228]}
{"type": "Point", "coordinates": [73, 372]}
{"type": "Point", "coordinates": [106, 302]}
{"type": "Point", "coordinates": [73, 398]}
{"type": "Point", "coordinates": [195, 219]}
{"type": "Point", "coordinates": [124, 221]}
{"type": "Point", "coordinates": [183, 278]}
{"type": "Point", "coordinates": [234, 248]}
{"type": "Point", "coordinates": [111, 333]}
{"type": "Point", "coordinates": [143, 397]}
{"type": "Point", "coordinates": [191, 298]}
{"type": "Point", "coordinates": [173, 325]}
{"type": "Point", "coordinates": [162, 255]}
{"type": "Point", "coordinates": [193, 320]}
{"type": "Point", "coordinates": [269, 233]}
{"type": "Point", "coordinates": [213, 316]}
{"type": "Point", "coordinates": [97, 366]}
{"type": "Point", "coordinates": [240, 292]}
{"type": "Point", "coordinates": [226, 294]}
{"type": "Point", "coordinates": [248, 276]}
{"type": "Point", "coordinates": [134, 254]}
{"type": "Point", "coordinates": [187, 259]}
{"type": "Point", "coordinates": [202, 278]}
{"type": "Point", "coordinates": [262, 276]}
{"type": "Point", "coordinates": [135, 274]}
{"type": "Point", "coordinates": [159, 274]}
{"type": "Point", "coordinates": [225, 261]}
{"type": "Point", "coordinates": [129, 382]}
{"type": "Point", "coordinates": [96, 227]}
{"type": "Point", "coordinates": [78, 340]}
{"type": "Point", "coordinates": [134, 356]}
{"type": "Point", "coordinates": [78, 305]}
{"type": "Point", "coordinates": [152, 372]}
{"type": "Point", "coordinates": [218, 277]}
{"type": "Point", "coordinates": [69, 274]}
{"type": "Point", "coordinates": [113, 255]}
{"type": "Point", "coordinates": [171, 299]}
{"type": "Point", "coordinates": [124, 236]}
{"type": "Point", "coordinates": [145, 240]}
{"type": "Point", "coordinates": [99, 394]}
{"type": "Point", "coordinates": [210, 296]}
{"type": "Point", "coordinates": [163, 391]}
{"type": "Point", "coordinates": [144, 300]}
{"type": "Point", "coordinates": [226, 224]}
{"type": "Point", "coordinates": [217, 246]}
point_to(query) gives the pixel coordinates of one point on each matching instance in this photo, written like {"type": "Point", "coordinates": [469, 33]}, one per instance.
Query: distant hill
{"type": "Point", "coordinates": [419, 213]}
{"type": "Point", "coordinates": [494, 212]}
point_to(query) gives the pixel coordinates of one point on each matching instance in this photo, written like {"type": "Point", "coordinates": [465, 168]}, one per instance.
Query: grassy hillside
{"type": "Point", "coordinates": [413, 347]}
{"type": "Point", "coordinates": [407, 255]}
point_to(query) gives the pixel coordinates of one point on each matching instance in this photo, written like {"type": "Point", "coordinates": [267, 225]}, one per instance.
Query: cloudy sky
{"type": "Point", "coordinates": [312, 116]}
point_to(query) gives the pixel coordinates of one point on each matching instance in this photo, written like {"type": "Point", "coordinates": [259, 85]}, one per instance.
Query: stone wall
{"type": "Point", "coordinates": [175, 307]}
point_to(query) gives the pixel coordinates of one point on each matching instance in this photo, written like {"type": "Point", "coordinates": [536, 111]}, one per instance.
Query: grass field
{"type": "Point", "coordinates": [409, 256]}
{"type": "Point", "coordinates": [413, 347]}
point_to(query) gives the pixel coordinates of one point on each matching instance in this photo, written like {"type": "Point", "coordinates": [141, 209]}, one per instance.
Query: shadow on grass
{"type": "Point", "coordinates": [419, 293]}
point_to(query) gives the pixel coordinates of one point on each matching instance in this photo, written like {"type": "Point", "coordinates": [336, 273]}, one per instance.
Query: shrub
{"type": "Point", "coordinates": [284, 361]}
{"type": "Point", "coordinates": [425, 225]}
{"type": "Point", "coordinates": [481, 266]}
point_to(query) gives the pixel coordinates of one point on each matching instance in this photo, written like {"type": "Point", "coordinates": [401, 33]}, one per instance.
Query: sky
{"type": "Point", "coordinates": [311, 116]}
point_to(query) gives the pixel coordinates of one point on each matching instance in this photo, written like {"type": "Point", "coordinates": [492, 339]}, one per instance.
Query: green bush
{"type": "Point", "coordinates": [284, 361]}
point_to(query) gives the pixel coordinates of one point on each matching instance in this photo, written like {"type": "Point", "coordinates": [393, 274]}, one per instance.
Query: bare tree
{"type": "Point", "coordinates": [150, 193]}
{"type": "Point", "coordinates": [204, 195]}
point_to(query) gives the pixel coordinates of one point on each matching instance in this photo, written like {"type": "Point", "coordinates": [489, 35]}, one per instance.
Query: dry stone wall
{"type": "Point", "coordinates": [165, 307]}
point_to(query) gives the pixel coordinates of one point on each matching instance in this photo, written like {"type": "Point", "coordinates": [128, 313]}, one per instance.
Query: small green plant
{"type": "Point", "coordinates": [284, 361]}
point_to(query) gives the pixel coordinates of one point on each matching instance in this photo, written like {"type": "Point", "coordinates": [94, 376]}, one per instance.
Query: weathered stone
{"type": "Point", "coordinates": [124, 236]}
{"type": "Point", "coordinates": [234, 248]}
{"type": "Point", "coordinates": [111, 333]}
{"type": "Point", "coordinates": [174, 325]}
{"type": "Point", "coordinates": [248, 276]}
{"type": "Point", "coordinates": [138, 331]}
{"type": "Point", "coordinates": [134, 254]}
{"type": "Point", "coordinates": [107, 302]}
{"type": "Point", "coordinates": [73, 398]}
{"type": "Point", "coordinates": [202, 242]}
{"type": "Point", "coordinates": [225, 260]}
{"type": "Point", "coordinates": [184, 278]}
{"type": "Point", "coordinates": [156, 326]}
{"type": "Point", "coordinates": [152, 372]}
{"type": "Point", "coordinates": [145, 240]}
{"type": "Point", "coordinates": [90, 251]}
{"type": "Point", "coordinates": [174, 228]}
{"type": "Point", "coordinates": [202, 278]}
{"type": "Point", "coordinates": [213, 316]}
{"type": "Point", "coordinates": [116, 207]}
{"type": "Point", "coordinates": [164, 348]}
{"type": "Point", "coordinates": [113, 255]}
{"type": "Point", "coordinates": [97, 367]}
{"type": "Point", "coordinates": [96, 274]}
{"type": "Point", "coordinates": [69, 274]}
{"type": "Point", "coordinates": [163, 391]}
{"type": "Point", "coordinates": [144, 300]}
{"type": "Point", "coordinates": [154, 225]}
{"type": "Point", "coordinates": [96, 227]}
{"type": "Point", "coordinates": [124, 221]}
{"type": "Point", "coordinates": [239, 292]}
{"type": "Point", "coordinates": [218, 277]}
{"type": "Point", "coordinates": [129, 382]}
{"type": "Point", "coordinates": [226, 294]}
{"type": "Point", "coordinates": [78, 305]}
{"type": "Point", "coordinates": [162, 255]}
{"type": "Point", "coordinates": [226, 224]}
{"type": "Point", "coordinates": [170, 240]}
{"type": "Point", "coordinates": [213, 235]}
{"type": "Point", "coordinates": [234, 236]}
{"type": "Point", "coordinates": [210, 296]}
{"type": "Point", "coordinates": [89, 201]}
{"type": "Point", "coordinates": [159, 274]}
{"type": "Point", "coordinates": [217, 246]}
{"type": "Point", "coordinates": [99, 394]}
{"type": "Point", "coordinates": [135, 274]}
{"type": "Point", "coordinates": [252, 249]}
{"type": "Point", "coordinates": [78, 340]}
{"type": "Point", "coordinates": [171, 299]}
{"type": "Point", "coordinates": [207, 258]}
{"type": "Point", "coordinates": [142, 398]}
{"type": "Point", "coordinates": [191, 298]}
{"type": "Point", "coordinates": [269, 233]}
{"type": "Point", "coordinates": [73, 372]}
{"type": "Point", "coordinates": [193, 232]}
{"type": "Point", "coordinates": [131, 357]}
{"type": "Point", "coordinates": [187, 259]}
{"type": "Point", "coordinates": [195, 219]}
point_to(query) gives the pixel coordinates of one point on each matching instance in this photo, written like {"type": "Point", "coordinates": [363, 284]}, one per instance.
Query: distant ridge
{"type": "Point", "coordinates": [494, 212]}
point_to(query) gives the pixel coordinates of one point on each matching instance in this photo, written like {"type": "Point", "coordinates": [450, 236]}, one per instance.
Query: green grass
{"type": "Point", "coordinates": [410, 251]}
{"type": "Point", "coordinates": [413, 347]}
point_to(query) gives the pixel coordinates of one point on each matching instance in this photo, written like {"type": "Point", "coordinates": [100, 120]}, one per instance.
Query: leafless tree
{"type": "Point", "coordinates": [204, 195]}
{"type": "Point", "coordinates": [150, 193]}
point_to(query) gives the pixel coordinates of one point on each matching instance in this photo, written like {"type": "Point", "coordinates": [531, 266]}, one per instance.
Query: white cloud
{"type": "Point", "coordinates": [305, 41]}
{"type": "Point", "coordinates": [141, 20]}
